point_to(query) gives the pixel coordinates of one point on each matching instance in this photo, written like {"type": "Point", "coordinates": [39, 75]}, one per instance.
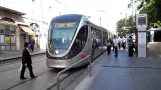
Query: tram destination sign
{"type": "Point", "coordinates": [65, 25]}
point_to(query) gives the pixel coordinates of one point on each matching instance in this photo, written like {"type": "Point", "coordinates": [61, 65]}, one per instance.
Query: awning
{"type": "Point", "coordinates": [7, 23]}
{"type": "Point", "coordinates": [27, 30]}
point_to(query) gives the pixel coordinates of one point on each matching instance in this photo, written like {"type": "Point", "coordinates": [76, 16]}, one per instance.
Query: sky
{"type": "Point", "coordinates": [110, 15]}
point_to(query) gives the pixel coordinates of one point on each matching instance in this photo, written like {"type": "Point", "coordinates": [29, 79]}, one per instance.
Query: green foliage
{"type": "Point", "coordinates": [150, 10]}
{"type": "Point", "coordinates": [120, 24]}
{"type": "Point", "coordinates": [125, 26]}
{"type": "Point", "coordinates": [130, 22]}
{"type": "Point", "coordinates": [157, 24]}
{"type": "Point", "coordinates": [153, 10]}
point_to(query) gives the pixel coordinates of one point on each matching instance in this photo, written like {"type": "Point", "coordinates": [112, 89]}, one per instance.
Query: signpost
{"type": "Point", "coordinates": [141, 25]}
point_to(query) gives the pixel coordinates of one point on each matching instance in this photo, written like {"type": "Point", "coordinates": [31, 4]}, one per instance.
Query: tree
{"type": "Point", "coordinates": [153, 10]}
{"type": "Point", "coordinates": [120, 24]}
{"type": "Point", "coordinates": [125, 26]}
{"type": "Point", "coordinates": [130, 23]}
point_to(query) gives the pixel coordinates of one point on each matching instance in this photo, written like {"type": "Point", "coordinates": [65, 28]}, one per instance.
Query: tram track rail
{"type": "Point", "coordinates": [11, 60]}
{"type": "Point", "coordinates": [68, 79]}
{"type": "Point", "coordinates": [24, 81]}
{"type": "Point", "coordinates": [71, 74]}
{"type": "Point", "coordinates": [68, 76]}
{"type": "Point", "coordinates": [17, 66]}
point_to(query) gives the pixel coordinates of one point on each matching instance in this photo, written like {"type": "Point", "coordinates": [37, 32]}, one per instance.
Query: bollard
{"type": "Point", "coordinates": [66, 69]}
{"type": "Point", "coordinates": [90, 66]}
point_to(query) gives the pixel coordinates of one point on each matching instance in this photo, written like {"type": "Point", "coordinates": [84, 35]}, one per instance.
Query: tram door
{"type": "Point", "coordinates": [96, 42]}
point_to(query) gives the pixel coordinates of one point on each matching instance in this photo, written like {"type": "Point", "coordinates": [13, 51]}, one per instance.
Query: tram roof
{"type": "Point", "coordinates": [78, 16]}
{"type": "Point", "coordinates": [67, 16]}
{"type": "Point", "coordinates": [96, 26]}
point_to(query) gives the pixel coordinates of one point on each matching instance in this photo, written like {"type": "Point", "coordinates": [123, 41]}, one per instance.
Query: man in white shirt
{"type": "Point", "coordinates": [115, 42]}
{"type": "Point", "coordinates": [123, 43]}
{"type": "Point", "coordinates": [119, 42]}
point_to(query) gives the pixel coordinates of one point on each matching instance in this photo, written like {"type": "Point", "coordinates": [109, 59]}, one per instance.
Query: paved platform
{"type": "Point", "coordinates": [125, 73]}
{"type": "Point", "coordinates": [5, 55]}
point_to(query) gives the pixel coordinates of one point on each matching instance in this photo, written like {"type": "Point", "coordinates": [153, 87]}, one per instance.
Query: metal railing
{"type": "Point", "coordinates": [66, 69]}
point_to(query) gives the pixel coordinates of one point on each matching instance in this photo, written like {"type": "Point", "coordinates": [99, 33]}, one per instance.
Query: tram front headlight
{"type": "Point", "coordinates": [49, 56]}
{"type": "Point", "coordinates": [56, 51]}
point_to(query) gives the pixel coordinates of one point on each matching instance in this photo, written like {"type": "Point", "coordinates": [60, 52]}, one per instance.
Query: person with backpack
{"type": "Point", "coordinates": [32, 43]}
{"type": "Point", "coordinates": [109, 44]}
{"type": "Point", "coordinates": [123, 43]}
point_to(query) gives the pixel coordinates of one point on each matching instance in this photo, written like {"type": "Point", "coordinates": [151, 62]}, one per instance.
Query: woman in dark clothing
{"type": "Point", "coordinates": [109, 44]}
{"type": "Point", "coordinates": [32, 44]}
{"type": "Point", "coordinates": [130, 43]}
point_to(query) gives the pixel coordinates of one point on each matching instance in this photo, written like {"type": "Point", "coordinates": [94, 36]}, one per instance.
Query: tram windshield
{"type": "Point", "coordinates": [62, 34]}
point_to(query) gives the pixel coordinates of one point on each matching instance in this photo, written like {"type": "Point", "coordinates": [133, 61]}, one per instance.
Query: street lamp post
{"type": "Point", "coordinates": [132, 7]}
{"type": "Point", "coordinates": [4, 3]}
{"type": "Point", "coordinates": [42, 16]}
{"type": "Point", "coordinates": [50, 8]}
{"type": "Point", "coordinates": [100, 22]}
{"type": "Point", "coordinates": [100, 16]}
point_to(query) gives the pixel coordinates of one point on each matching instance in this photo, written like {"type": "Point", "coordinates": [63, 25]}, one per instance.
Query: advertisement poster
{"type": "Point", "coordinates": [13, 39]}
{"type": "Point", "coordinates": [142, 37]}
{"type": "Point", "coordinates": [1, 38]}
{"type": "Point", "coordinates": [7, 39]}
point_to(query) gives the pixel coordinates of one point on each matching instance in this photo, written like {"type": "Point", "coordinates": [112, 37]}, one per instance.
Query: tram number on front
{"type": "Point", "coordinates": [64, 25]}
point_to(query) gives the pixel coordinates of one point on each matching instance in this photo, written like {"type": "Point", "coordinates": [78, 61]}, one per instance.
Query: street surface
{"type": "Point", "coordinates": [46, 77]}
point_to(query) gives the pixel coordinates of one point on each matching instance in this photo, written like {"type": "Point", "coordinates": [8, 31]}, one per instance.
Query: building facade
{"type": "Point", "coordinates": [15, 30]}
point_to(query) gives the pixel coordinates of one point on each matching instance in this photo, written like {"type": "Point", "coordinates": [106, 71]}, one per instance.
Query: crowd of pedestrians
{"type": "Point", "coordinates": [120, 42]}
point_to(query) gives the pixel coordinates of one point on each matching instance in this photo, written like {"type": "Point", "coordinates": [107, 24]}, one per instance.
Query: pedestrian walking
{"type": "Point", "coordinates": [115, 41]}
{"type": "Point", "coordinates": [119, 42]}
{"type": "Point", "coordinates": [123, 43]}
{"type": "Point", "coordinates": [26, 62]}
{"type": "Point", "coordinates": [109, 44]}
{"type": "Point", "coordinates": [113, 47]}
{"type": "Point", "coordinates": [93, 47]}
{"type": "Point", "coordinates": [32, 43]}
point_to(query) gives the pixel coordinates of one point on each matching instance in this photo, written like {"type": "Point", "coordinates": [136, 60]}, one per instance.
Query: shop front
{"type": "Point", "coordinates": [7, 35]}
{"type": "Point", "coordinates": [12, 34]}
{"type": "Point", "coordinates": [35, 28]}
{"type": "Point", "coordinates": [25, 34]}
{"type": "Point", "coordinates": [15, 30]}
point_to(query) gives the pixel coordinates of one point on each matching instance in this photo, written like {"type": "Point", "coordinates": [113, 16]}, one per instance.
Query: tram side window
{"type": "Point", "coordinates": [81, 38]}
{"type": "Point", "coordinates": [104, 38]}
{"type": "Point", "coordinates": [93, 36]}
{"type": "Point", "coordinates": [98, 38]}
